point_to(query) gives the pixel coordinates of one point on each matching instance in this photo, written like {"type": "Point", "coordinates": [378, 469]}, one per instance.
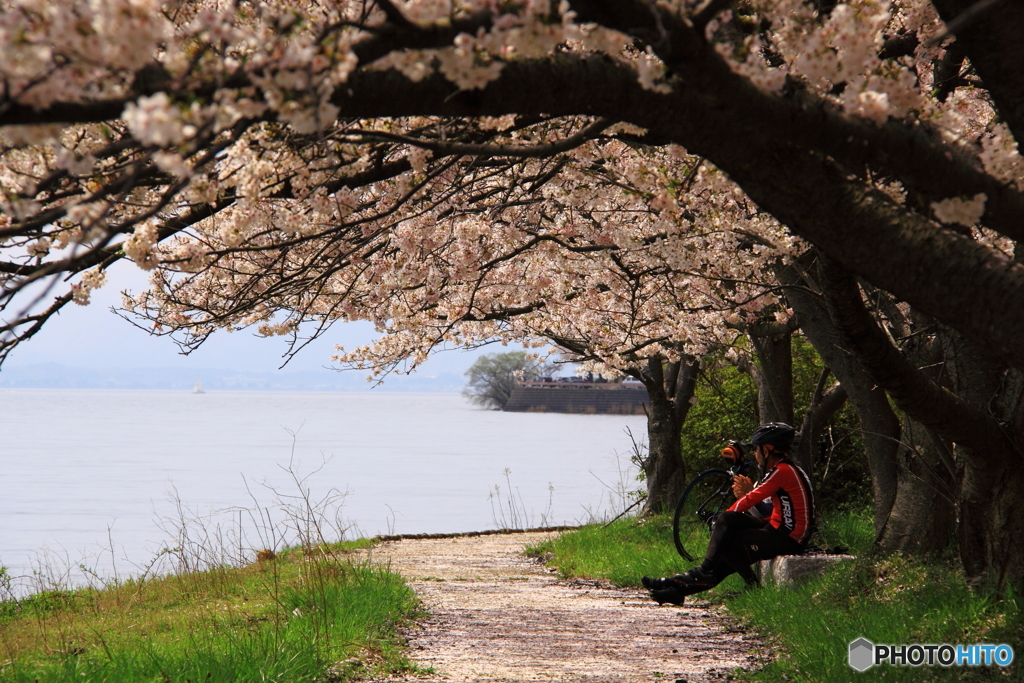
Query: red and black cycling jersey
{"type": "Point", "coordinates": [789, 487]}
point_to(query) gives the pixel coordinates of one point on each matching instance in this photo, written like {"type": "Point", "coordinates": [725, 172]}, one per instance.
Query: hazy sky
{"type": "Point", "coordinates": [94, 337]}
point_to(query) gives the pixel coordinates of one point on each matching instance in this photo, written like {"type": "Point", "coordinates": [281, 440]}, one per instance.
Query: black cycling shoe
{"type": "Point", "coordinates": [670, 595]}
{"type": "Point", "coordinates": [698, 576]}
{"type": "Point", "coordinates": [659, 584]}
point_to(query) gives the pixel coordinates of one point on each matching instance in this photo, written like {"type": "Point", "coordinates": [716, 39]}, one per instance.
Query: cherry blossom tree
{"type": "Point", "coordinates": [584, 251]}
{"type": "Point", "coordinates": [272, 163]}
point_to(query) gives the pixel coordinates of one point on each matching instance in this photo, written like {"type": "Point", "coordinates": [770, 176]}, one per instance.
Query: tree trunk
{"type": "Point", "coordinates": [775, 379]}
{"type": "Point", "coordinates": [989, 540]}
{"type": "Point", "coordinates": [880, 428]}
{"type": "Point", "coordinates": [670, 386]}
{"type": "Point", "coordinates": [981, 411]}
{"type": "Point", "coordinates": [990, 484]}
{"type": "Point", "coordinates": [664, 470]}
{"type": "Point", "coordinates": [923, 514]}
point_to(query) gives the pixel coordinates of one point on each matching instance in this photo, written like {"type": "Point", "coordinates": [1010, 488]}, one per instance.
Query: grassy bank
{"type": "Point", "coordinates": [306, 615]}
{"type": "Point", "coordinates": [886, 599]}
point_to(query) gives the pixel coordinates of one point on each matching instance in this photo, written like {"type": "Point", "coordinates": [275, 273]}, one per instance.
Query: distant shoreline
{"type": "Point", "coordinates": [57, 376]}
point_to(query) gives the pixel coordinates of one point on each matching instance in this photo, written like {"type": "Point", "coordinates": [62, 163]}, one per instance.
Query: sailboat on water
{"type": "Point", "coordinates": [198, 388]}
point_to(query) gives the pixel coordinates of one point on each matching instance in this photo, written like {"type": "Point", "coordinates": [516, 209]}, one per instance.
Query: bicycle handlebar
{"type": "Point", "coordinates": [733, 452]}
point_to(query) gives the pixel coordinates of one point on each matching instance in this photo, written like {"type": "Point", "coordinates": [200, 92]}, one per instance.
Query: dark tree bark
{"type": "Point", "coordinates": [670, 386]}
{"type": "Point", "coordinates": [774, 377]}
{"type": "Point", "coordinates": [923, 514]}
{"type": "Point", "coordinates": [880, 427]}
{"type": "Point", "coordinates": [933, 405]}
{"type": "Point", "coordinates": [983, 418]}
{"type": "Point", "coordinates": [988, 535]}
{"type": "Point", "coordinates": [990, 486]}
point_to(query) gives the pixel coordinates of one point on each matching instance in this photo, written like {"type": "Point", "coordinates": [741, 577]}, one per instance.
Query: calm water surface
{"type": "Point", "coordinates": [91, 477]}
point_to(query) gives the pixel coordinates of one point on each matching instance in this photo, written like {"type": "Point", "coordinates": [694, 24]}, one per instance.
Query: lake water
{"type": "Point", "coordinates": [106, 479]}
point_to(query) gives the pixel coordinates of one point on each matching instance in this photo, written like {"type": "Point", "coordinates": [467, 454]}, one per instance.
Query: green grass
{"type": "Point", "coordinates": [890, 600]}
{"type": "Point", "coordinates": [304, 616]}
{"type": "Point", "coordinates": [886, 599]}
{"type": "Point", "coordinates": [622, 552]}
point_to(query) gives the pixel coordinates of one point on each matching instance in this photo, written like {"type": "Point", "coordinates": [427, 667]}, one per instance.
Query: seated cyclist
{"type": "Point", "coordinates": [739, 538]}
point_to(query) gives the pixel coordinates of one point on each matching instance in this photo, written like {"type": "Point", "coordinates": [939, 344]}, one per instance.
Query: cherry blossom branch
{"type": "Point", "coordinates": [10, 334]}
{"type": "Point", "coordinates": [705, 13]}
{"type": "Point", "coordinates": [803, 119]}
{"type": "Point", "coordinates": [408, 36]}
{"type": "Point", "coordinates": [521, 151]}
{"type": "Point", "coordinates": [794, 151]}
{"type": "Point", "coordinates": [11, 337]}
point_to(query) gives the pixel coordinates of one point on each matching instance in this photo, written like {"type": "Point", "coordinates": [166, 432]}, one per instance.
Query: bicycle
{"type": "Point", "coordinates": [708, 494]}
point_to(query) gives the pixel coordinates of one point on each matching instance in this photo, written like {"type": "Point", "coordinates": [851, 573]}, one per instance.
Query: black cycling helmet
{"type": "Point", "coordinates": [777, 434]}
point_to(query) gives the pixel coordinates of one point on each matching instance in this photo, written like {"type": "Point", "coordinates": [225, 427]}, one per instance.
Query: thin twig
{"type": "Point", "coordinates": [621, 514]}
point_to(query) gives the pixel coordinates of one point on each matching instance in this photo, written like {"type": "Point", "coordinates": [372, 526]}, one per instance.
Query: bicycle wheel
{"type": "Point", "coordinates": [707, 495]}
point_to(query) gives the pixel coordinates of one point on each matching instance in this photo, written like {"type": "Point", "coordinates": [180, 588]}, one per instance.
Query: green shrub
{"type": "Point", "coordinates": [725, 408]}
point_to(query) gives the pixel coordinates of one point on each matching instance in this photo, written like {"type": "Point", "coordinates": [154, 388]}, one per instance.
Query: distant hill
{"type": "Point", "coordinates": [55, 376]}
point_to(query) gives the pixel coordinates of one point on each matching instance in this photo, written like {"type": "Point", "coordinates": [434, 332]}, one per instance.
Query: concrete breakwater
{"type": "Point", "coordinates": [589, 398]}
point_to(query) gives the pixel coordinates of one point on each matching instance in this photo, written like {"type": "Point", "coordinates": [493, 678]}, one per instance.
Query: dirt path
{"type": "Point", "coordinates": [496, 615]}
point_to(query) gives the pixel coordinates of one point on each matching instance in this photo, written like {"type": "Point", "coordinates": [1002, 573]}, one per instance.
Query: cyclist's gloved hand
{"type": "Point", "coordinates": [741, 485]}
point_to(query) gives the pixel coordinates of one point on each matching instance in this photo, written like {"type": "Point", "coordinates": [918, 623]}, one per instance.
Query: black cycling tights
{"type": "Point", "coordinates": [738, 540]}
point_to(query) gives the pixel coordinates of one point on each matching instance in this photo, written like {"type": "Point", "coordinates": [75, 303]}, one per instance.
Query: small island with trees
{"type": "Point", "coordinates": [516, 382]}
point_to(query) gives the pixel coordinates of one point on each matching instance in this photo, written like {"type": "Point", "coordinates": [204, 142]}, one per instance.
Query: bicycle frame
{"type": "Point", "coordinates": [699, 506]}
{"type": "Point", "coordinates": [703, 511]}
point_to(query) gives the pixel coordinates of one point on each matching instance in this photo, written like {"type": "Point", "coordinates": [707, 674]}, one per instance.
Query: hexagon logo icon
{"type": "Point", "coordinates": [862, 654]}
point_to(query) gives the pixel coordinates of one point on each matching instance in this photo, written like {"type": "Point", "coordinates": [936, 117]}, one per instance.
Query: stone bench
{"type": "Point", "coordinates": [793, 569]}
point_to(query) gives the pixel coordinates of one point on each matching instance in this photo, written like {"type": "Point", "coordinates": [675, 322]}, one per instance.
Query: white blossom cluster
{"type": "Point", "coordinates": [621, 260]}
{"type": "Point", "coordinates": [77, 48]}
{"type": "Point", "coordinates": [82, 290]}
{"type": "Point", "coordinates": [963, 211]}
